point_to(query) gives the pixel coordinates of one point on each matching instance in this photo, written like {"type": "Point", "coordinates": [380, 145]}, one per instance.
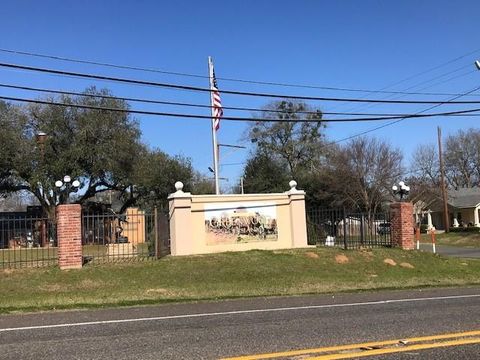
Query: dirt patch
{"type": "Point", "coordinates": [367, 255]}
{"type": "Point", "coordinates": [341, 259]}
{"type": "Point", "coordinates": [311, 255]}
{"type": "Point", "coordinates": [407, 265]}
{"type": "Point", "coordinates": [390, 262]}
{"type": "Point", "coordinates": [7, 271]}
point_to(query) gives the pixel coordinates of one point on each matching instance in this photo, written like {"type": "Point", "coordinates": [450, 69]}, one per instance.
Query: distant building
{"type": "Point", "coordinates": [463, 209]}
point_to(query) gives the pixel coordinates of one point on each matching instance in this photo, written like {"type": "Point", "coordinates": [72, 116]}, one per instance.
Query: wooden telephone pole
{"type": "Point", "coordinates": [446, 219]}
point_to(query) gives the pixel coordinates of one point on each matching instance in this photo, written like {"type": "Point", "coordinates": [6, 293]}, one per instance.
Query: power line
{"type": "Point", "coordinates": [437, 67]}
{"type": "Point", "coordinates": [152, 101]}
{"type": "Point", "coordinates": [234, 164]}
{"type": "Point", "coordinates": [271, 83]}
{"type": "Point", "coordinates": [425, 81]}
{"type": "Point", "coordinates": [242, 93]}
{"type": "Point", "coordinates": [399, 120]}
{"type": "Point", "coordinates": [392, 97]}
{"type": "Point", "coordinates": [231, 118]}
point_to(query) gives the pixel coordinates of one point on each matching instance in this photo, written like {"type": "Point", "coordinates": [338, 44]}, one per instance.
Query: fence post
{"type": "Point", "coordinates": [69, 236]}
{"type": "Point", "coordinates": [155, 224]}
{"type": "Point", "coordinates": [362, 235]}
{"type": "Point", "coordinates": [345, 246]}
{"type": "Point", "coordinates": [402, 225]}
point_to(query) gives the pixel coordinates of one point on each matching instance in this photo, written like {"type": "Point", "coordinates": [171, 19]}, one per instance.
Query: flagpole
{"type": "Point", "coordinates": [214, 132]}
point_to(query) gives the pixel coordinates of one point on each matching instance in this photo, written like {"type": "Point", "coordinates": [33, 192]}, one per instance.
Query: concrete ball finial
{"type": "Point", "coordinates": [293, 185]}
{"type": "Point", "coordinates": [179, 186]}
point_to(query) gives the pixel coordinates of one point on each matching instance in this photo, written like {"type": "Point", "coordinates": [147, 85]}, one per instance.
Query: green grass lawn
{"type": "Point", "coordinates": [228, 275]}
{"type": "Point", "coordinates": [28, 256]}
{"type": "Point", "coordinates": [37, 256]}
{"type": "Point", "coordinates": [466, 239]}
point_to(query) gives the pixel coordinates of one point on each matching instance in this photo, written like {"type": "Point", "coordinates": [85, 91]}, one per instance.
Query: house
{"type": "Point", "coordinates": [463, 210]}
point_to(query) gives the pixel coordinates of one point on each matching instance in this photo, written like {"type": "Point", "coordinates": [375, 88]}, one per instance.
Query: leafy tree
{"type": "Point", "coordinates": [12, 125]}
{"type": "Point", "coordinates": [15, 201]}
{"type": "Point", "coordinates": [265, 174]}
{"type": "Point", "coordinates": [98, 147]}
{"type": "Point", "coordinates": [292, 140]}
{"type": "Point", "coordinates": [155, 174]}
{"type": "Point", "coordinates": [202, 185]}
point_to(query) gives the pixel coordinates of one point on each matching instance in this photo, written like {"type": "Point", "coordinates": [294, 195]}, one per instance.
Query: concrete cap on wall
{"type": "Point", "coordinates": [179, 186]}
{"type": "Point", "coordinates": [293, 188]}
{"type": "Point", "coordinates": [179, 191]}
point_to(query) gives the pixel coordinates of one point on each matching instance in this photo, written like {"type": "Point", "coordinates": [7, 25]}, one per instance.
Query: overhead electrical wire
{"type": "Point", "coordinates": [424, 81]}
{"type": "Point", "coordinates": [173, 103]}
{"type": "Point", "coordinates": [270, 83]}
{"type": "Point", "coordinates": [282, 84]}
{"type": "Point", "coordinates": [393, 97]}
{"type": "Point", "coordinates": [434, 68]}
{"type": "Point", "coordinates": [231, 92]}
{"type": "Point", "coordinates": [363, 106]}
{"type": "Point", "coordinates": [232, 118]}
{"type": "Point", "coordinates": [152, 101]}
{"type": "Point", "coordinates": [405, 92]}
{"type": "Point", "coordinates": [399, 120]}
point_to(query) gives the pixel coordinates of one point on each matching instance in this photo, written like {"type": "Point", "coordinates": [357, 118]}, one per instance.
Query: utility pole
{"type": "Point", "coordinates": [241, 183]}
{"type": "Point", "coordinates": [446, 220]}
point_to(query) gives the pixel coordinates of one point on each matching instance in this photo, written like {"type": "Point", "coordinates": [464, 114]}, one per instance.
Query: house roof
{"type": "Point", "coordinates": [464, 198]}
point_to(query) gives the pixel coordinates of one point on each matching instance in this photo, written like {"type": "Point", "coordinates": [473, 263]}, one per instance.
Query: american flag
{"type": "Point", "coordinates": [216, 103]}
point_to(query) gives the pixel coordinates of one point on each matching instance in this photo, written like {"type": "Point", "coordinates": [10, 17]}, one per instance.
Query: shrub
{"type": "Point", "coordinates": [469, 229]}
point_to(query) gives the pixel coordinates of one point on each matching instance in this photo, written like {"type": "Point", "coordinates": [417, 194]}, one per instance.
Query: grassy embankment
{"type": "Point", "coordinates": [228, 275]}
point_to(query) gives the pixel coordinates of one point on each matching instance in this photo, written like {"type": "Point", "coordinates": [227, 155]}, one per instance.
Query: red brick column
{"type": "Point", "coordinates": [401, 218]}
{"type": "Point", "coordinates": [69, 236]}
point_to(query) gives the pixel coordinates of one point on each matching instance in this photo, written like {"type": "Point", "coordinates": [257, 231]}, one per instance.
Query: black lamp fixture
{"type": "Point", "coordinates": [401, 190]}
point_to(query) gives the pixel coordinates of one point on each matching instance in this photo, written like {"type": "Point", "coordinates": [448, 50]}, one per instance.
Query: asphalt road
{"type": "Point", "coordinates": [245, 327]}
{"type": "Point", "coordinates": [456, 251]}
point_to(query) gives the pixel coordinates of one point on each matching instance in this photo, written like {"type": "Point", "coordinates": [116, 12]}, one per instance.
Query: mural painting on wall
{"type": "Point", "coordinates": [240, 222]}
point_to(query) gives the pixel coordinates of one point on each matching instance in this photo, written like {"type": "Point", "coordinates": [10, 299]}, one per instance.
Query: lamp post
{"type": "Point", "coordinates": [401, 190]}
{"type": "Point", "coordinates": [41, 137]}
{"type": "Point", "coordinates": [67, 186]}
{"type": "Point", "coordinates": [213, 172]}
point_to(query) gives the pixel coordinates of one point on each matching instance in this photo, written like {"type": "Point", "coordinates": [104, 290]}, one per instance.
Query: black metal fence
{"type": "Point", "coordinates": [348, 229]}
{"type": "Point", "coordinates": [134, 235]}
{"type": "Point", "coordinates": [27, 241]}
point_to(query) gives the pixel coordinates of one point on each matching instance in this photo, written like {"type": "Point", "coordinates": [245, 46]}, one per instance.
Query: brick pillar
{"type": "Point", "coordinates": [69, 236]}
{"type": "Point", "coordinates": [401, 217]}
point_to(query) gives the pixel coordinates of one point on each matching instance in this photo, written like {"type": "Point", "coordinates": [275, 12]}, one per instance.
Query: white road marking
{"type": "Point", "coordinates": [239, 312]}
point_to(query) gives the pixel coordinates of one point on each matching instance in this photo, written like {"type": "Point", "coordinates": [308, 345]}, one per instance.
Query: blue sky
{"type": "Point", "coordinates": [355, 44]}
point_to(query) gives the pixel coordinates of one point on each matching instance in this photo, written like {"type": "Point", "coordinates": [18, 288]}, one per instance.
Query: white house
{"type": "Point", "coordinates": [463, 209]}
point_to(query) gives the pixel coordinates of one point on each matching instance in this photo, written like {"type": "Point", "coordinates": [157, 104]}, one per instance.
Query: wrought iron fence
{"type": "Point", "coordinates": [27, 241]}
{"type": "Point", "coordinates": [134, 235]}
{"type": "Point", "coordinates": [348, 229]}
